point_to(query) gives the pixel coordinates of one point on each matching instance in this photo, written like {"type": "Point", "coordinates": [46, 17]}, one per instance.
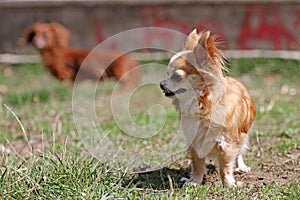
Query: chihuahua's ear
{"type": "Point", "coordinates": [200, 52]}
{"type": "Point", "coordinates": [191, 40]}
{"type": "Point", "coordinates": [61, 34]}
{"type": "Point", "coordinates": [203, 38]}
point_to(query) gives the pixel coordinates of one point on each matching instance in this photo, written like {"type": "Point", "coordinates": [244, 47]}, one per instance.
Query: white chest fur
{"type": "Point", "coordinates": [201, 138]}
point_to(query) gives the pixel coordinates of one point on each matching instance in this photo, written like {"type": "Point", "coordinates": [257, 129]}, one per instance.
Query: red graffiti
{"type": "Point", "coordinates": [159, 17]}
{"type": "Point", "coordinates": [162, 17]}
{"type": "Point", "coordinates": [264, 24]}
{"type": "Point", "coordinates": [297, 21]}
{"type": "Point", "coordinates": [99, 35]}
{"type": "Point", "coordinates": [98, 29]}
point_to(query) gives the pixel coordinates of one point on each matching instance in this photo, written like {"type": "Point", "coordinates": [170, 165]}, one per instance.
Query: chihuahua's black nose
{"type": "Point", "coordinates": [162, 85]}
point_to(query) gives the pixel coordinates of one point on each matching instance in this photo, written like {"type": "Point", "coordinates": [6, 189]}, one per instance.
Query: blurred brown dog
{"type": "Point", "coordinates": [65, 63]}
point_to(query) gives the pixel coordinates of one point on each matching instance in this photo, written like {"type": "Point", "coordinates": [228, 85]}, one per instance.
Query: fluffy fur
{"type": "Point", "coordinates": [216, 111]}
{"type": "Point", "coordinates": [51, 40]}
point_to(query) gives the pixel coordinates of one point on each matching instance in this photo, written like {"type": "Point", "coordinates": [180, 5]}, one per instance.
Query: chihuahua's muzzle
{"type": "Point", "coordinates": [167, 91]}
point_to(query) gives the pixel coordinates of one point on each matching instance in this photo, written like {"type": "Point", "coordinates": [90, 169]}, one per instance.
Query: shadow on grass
{"type": "Point", "coordinates": [158, 179]}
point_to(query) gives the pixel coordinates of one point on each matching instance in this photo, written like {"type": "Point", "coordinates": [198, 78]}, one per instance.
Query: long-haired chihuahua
{"type": "Point", "coordinates": [216, 111]}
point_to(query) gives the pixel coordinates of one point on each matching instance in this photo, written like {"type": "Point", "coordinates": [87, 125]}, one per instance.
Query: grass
{"type": "Point", "coordinates": [57, 163]}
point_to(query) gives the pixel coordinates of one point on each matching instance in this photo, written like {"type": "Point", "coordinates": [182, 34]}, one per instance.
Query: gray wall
{"type": "Point", "coordinates": [243, 25]}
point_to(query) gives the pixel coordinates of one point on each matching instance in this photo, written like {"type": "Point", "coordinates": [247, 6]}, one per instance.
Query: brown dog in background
{"type": "Point", "coordinates": [52, 39]}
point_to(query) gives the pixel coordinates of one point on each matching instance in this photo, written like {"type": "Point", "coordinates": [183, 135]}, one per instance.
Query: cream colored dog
{"type": "Point", "coordinates": [216, 111]}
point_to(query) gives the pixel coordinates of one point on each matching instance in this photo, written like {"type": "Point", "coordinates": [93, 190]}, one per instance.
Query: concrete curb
{"type": "Point", "coordinates": [293, 55]}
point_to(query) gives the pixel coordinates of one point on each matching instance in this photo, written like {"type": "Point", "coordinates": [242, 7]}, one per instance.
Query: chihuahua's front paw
{"type": "Point", "coordinates": [192, 181]}
{"type": "Point", "coordinates": [185, 180]}
{"type": "Point", "coordinates": [243, 169]}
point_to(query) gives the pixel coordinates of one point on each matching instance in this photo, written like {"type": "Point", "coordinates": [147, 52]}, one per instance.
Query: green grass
{"type": "Point", "coordinates": [55, 164]}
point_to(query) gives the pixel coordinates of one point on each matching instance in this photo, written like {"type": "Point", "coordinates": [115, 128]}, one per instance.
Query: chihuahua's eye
{"type": "Point", "coordinates": [178, 75]}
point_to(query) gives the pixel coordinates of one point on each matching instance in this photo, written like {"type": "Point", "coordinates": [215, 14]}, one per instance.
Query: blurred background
{"type": "Point", "coordinates": [244, 24]}
{"type": "Point", "coordinates": [43, 152]}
